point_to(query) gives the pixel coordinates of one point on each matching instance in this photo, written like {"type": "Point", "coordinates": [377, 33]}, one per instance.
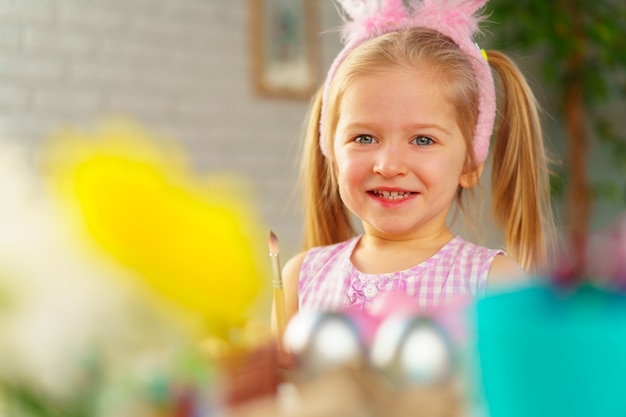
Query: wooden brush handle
{"type": "Point", "coordinates": [279, 311]}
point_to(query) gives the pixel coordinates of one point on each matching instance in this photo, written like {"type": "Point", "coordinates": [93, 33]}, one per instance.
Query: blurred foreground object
{"type": "Point", "coordinates": [546, 353]}
{"type": "Point", "coordinates": [247, 374]}
{"type": "Point", "coordinates": [351, 363]}
{"type": "Point", "coordinates": [357, 390]}
{"type": "Point", "coordinates": [559, 348]}
{"type": "Point", "coordinates": [114, 280]}
{"type": "Point", "coordinates": [196, 241]}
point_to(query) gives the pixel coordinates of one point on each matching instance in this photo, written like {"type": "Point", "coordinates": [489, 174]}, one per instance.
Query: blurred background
{"type": "Point", "coordinates": [183, 69]}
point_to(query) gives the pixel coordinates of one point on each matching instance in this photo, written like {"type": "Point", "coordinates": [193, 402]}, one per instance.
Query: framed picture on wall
{"type": "Point", "coordinates": [285, 48]}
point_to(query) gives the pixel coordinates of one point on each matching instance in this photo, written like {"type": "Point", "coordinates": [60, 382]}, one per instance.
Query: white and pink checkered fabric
{"type": "Point", "coordinates": [329, 280]}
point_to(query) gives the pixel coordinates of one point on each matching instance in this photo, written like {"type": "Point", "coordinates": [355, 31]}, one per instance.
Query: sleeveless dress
{"type": "Point", "coordinates": [329, 281]}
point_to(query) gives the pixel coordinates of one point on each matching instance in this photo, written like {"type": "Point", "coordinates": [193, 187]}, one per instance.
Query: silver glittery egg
{"type": "Point", "coordinates": [321, 341]}
{"type": "Point", "coordinates": [412, 350]}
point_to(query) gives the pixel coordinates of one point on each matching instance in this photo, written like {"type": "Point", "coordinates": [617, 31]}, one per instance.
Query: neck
{"type": "Point", "coordinates": [376, 254]}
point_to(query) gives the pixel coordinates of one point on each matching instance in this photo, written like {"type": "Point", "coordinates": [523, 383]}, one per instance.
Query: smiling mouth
{"type": "Point", "coordinates": [391, 195]}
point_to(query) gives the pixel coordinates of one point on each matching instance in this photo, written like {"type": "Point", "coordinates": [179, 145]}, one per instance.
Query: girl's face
{"type": "Point", "coordinates": [399, 153]}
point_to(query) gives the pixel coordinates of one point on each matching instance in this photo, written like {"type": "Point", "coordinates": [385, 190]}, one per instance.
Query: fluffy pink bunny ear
{"type": "Point", "coordinates": [456, 19]}
{"type": "Point", "coordinates": [463, 7]}
{"type": "Point", "coordinates": [368, 19]}
{"type": "Point", "coordinates": [364, 19]}
{"type": "Point", "coordinates": [357, 9]}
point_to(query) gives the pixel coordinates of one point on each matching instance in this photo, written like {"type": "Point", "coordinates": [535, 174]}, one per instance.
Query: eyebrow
{"type": "Point", "coordinates": [413, 126]}
{"type": "Point", "coordinates": [435, 126]}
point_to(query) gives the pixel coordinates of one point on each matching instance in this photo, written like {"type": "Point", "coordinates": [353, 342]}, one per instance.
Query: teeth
{"type": "Point", "coordinates": [391, 195]}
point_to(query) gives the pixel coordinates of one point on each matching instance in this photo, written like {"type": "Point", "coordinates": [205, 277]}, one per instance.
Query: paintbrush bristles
{"type": "Point", "coordinates": [277, 281]}
{"type": "Point", "coordinates": [274, 249]}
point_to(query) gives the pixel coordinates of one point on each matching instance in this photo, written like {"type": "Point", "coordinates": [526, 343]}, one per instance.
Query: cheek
{"type": "Point", "coordinates": [349, 182]}
{"type": "Point", "coordinates": [439, 172]}
{"type": "Point", "coordinates": [349, 170]}
{"type": "Point", "coordinates": [343, 177]}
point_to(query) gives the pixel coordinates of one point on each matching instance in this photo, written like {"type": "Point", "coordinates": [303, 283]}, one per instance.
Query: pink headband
{"type": "Point", "coordinates": [456, 19]}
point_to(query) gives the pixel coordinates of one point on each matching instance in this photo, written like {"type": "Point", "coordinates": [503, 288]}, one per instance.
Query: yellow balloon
{"type": "Point", "coordinates": [196, 242]}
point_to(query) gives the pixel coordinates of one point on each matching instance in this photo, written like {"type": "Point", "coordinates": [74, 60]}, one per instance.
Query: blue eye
{"type": "Point", "coordinates": [365, 139]}
{"type": "Point", "coordinates": [423, 140]}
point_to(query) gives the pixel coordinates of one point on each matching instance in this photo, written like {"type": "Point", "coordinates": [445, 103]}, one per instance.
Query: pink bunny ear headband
{"type": "Point", "coordinates": [456, 19]}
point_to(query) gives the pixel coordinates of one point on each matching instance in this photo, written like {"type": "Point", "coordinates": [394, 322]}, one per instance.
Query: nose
{"type": "Point", "coordinates": [390, 161]}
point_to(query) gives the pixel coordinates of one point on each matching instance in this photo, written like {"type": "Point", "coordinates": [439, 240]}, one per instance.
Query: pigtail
{"type": "Point", "coordinates": [326, 219]}
{"type": "Point", "coordinates": [520, 190]}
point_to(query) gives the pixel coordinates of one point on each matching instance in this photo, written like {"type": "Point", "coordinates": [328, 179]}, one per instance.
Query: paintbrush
{"type": "Point", "coordinates": [277, 284]}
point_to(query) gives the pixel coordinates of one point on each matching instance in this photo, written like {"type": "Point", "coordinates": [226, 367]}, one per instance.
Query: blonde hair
{"type": "Point", "coordinates": [520, 189]}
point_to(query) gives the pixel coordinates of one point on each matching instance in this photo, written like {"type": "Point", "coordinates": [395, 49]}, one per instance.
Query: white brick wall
{"type": "Point", "coordinates": [181, 67]}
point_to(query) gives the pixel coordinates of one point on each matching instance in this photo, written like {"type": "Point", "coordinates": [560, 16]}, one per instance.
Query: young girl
{"type": "Point", "coordinates": [398, 133]}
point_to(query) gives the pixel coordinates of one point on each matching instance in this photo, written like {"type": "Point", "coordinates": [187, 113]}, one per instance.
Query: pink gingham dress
{"type": "Point", "coordinates": [329, 281]}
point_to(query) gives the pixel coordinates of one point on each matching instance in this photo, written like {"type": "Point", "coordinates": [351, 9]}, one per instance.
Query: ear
{"type": "Point", "coordinates": [470, 178]}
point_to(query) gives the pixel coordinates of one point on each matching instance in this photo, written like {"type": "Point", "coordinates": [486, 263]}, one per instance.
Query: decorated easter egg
{"type": "Point", "coordinates": [321, 341]}
{"type": "Point", "coordinates": [412, 350]}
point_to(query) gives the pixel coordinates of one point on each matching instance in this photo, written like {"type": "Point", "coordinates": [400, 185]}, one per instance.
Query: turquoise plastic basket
{"type": "Point", "coordinates": [548, 353]}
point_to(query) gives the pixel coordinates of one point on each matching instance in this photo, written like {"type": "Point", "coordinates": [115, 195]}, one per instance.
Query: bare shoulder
{"type": "Point", "coordinates": [291, 270]}
{"type": "Point", "coordinates": [504, 271]}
